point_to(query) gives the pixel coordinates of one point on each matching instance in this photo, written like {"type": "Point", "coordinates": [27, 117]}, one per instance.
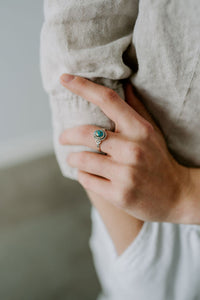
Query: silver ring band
{"type": "Point", "coordinates": [99, 135]}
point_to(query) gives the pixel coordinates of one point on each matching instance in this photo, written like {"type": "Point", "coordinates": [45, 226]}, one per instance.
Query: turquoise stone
{"type": "Point", "coordinates": [99, 133]}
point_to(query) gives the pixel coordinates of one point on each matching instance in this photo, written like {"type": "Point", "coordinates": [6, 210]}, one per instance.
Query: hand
{"type": "Point", "coordinates": [138, 174]}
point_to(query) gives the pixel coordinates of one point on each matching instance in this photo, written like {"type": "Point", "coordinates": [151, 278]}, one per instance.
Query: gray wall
{"type": "Point", "coordinates": [24, 107]}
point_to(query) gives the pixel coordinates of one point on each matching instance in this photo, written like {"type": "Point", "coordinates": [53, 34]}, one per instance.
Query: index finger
{"type": "Point", "coordinates": [108, 100]}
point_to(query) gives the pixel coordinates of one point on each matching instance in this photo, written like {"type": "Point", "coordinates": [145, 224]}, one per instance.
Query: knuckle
{"type": "Point", "coordinates": [127, 173]}
{"type": "Point", "coordinates": [82, 159]}
{"type": "Point", "coordinates": [134, 152]}
{"type": "Point", "coordinates": [81, 82]}
{"type": "Point", "coordinates": [124, 198]}
{"type": "Point", "coordinates": [127, 190]}
{"type": "Point", "coordinates": [128, 178]}
{"type": "Point", "coordinates": [132, 181]}
{"type": "Point", "coordinates": [147, 131]}
{"type": "Point", "coordinates": [109, 94]}
{"type": "Point", "coordinates": [84, 130]}
{"type": "Point", "coordinates": [139, 154]}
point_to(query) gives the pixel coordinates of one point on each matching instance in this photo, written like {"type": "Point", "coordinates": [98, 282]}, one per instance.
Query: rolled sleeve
{"type": "Point", "coordinates": [86, 39]}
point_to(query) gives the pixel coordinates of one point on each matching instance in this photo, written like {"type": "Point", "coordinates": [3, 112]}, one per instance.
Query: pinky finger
{"type": "Point", "coordinates": [96, 184]}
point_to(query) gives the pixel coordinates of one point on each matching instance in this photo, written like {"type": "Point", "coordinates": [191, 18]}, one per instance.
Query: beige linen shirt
{"type": "Point", "coordinates": [155, 43]}
{"type": "Point", "coordinates": [104, 41]}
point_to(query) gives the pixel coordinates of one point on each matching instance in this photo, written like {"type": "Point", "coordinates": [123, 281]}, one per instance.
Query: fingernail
{"type": "Point", "coordinates": [67, 77]}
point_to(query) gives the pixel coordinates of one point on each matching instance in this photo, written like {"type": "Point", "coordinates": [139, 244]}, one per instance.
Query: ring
{"type": "Point", "coordinates": [99, 135]}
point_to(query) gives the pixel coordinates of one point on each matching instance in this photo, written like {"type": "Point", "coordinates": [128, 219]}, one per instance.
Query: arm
{"type": "Point", "coordinates": [87, 40]}
{"type": "Point", "coordinates": [122, 227]}
{"type": "Point", "coordinates": [192, 198]}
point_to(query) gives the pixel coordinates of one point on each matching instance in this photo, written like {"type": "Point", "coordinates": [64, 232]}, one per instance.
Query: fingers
{"type": "Point", "coordinates": [108, 100]}
{"type": "Point", "coordinates": [96, 184]}
{"type": "Point", "coordinates": [118, 148]}
{"type": "Point", "coordinates": [83, 135]}
{"type": "Point", "coordinates": [94, 163]}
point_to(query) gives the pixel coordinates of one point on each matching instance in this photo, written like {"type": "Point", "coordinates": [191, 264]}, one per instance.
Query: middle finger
{"type": "Point", "coordinates": [115, 145]}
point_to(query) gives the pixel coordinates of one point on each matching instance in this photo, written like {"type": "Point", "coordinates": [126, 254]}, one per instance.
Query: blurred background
{"type": "Point", "coordinates": [44, 217]}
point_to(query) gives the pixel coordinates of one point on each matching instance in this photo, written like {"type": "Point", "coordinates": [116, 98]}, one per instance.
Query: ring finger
{"type": "Point", "coordinates": [115, 145]}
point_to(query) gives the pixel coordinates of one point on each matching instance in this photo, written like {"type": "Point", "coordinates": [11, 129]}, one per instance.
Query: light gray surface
{"type": "Point", "coordinates": [44, 232]}
{"type": "Point", "coordinates": [24, 107]}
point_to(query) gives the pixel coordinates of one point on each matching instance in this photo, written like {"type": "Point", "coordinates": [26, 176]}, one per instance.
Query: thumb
{"type": "Point", "coordinates": [136, 104]}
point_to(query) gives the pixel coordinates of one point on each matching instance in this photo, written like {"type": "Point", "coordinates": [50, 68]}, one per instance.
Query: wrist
{"type": "Point", "coordinates": [194, 196]}
{"type": "Point", "coordinates": [189, 198]}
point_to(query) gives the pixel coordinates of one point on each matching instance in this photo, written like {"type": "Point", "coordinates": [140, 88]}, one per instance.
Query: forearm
{"type": "Point", "coordinates": [192, 198]}
{"type": "Point", "coordinates": [121, 227]}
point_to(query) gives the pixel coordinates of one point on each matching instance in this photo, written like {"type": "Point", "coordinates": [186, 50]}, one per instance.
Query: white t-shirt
{"type": "Point", "coordinates": [162, 263]}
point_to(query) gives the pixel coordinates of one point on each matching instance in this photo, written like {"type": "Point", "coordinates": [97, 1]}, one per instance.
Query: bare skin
{"type": "Point", "coordinates": [138, 180]}
{"type": "Point", "coordinates": [122, 227]}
